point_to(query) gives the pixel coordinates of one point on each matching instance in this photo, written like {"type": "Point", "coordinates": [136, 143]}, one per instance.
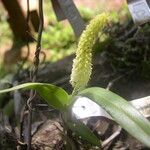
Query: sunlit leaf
{"type": "Point", "coordinates": [53, 95]}
{"type": "Point", "coordinates": [122, 112]}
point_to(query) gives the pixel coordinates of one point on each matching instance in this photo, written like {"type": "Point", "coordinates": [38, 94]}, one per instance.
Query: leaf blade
{"type": "Point", "coordinates": [82, 130]}
{"type": "Point", "coordinates": [123, 112]}
{"type": "Point", "coordinates": [53, 95]}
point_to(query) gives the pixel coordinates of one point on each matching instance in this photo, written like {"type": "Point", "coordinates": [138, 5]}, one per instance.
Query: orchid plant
{"type": "Point", "coordinates": [118, 108]}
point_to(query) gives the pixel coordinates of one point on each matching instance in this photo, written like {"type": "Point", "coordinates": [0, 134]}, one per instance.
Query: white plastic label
{"type": "Point", "coordinates": [85, 108]}
{"type": "Point", "coordinates": [140, 11]}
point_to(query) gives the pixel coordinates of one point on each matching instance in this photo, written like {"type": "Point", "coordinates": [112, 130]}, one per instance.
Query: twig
{"type": "Point", "coordinates": [111, 83]}
{"type": "Point", "coordinates": [113, 136]}
{"type": "Point", "coordinates": [22, 117]}
{"type": "Point", "coordinates": [61, 80]}
{"type": "Point", "coordinates": [131, 32]}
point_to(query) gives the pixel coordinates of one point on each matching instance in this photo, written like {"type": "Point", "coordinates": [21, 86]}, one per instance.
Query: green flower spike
{"type": "Point", "coordinates": [82, 64]}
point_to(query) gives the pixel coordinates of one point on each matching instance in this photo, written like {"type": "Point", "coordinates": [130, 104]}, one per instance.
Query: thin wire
{"type": "Point", "coordinates": [38, 46]}
{"type": "Point", "coordinates": [35, 71]}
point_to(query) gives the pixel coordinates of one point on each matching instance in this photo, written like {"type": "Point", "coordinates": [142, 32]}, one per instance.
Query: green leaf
{"type": "Point", "coordinates": [122, 112]}
{"type": "Point", "coordinates": [82, 130]}
{"type": "Point", "coordinates": [53, 95]}
{"type": "Point", "coordinates": [78, 127]}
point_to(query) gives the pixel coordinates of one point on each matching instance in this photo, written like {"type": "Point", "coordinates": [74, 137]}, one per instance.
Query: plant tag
{"type": "Point", "coordinates": [140, 11]}
{"type": "Point", "coordinates": [72, 14]}
{"type": "Point", "coordinates": [85, 108]}
{"type": "Point", "coordinates": [58, 11]}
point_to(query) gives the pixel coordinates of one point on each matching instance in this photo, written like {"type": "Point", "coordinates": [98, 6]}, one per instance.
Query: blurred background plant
{"type": "Point", "coordinates": [58, 39]}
